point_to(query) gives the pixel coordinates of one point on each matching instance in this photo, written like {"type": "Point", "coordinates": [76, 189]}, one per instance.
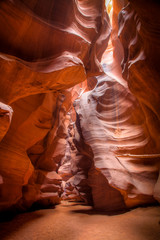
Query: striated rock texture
{"type": "Point", "coordinates": [46, 47]}
{"type": "Point", "coordinates": [112, 124]}
{"type": "Point", "coordinates": [5, 119]}
{"type": "Point", "coordinates": [140, 67]}
{"type": "Point", "coordinates": [75, 165]}
{"type": "Point", "coordinates": [106, 152]}
{"type": "Point", "coordinates": [121, 124]}
{"type": "Point", "coordinates": [31, 122]}
{"type": "Point", "coordinates": [33, 147]}
{"type": "Point", "coordinates": [49, 46]}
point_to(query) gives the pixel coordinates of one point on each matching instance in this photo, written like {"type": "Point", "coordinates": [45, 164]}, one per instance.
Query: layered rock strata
{"type": "Point", "coordinates": [49, 46]}
{"type": "Point", "coordinates": [111, 154]}
{"type": "Point", "coordinates": [75, 166]}
{"type": "Point", "coordinates": [45, 48]}
{"type": "Point", "coordinates": [31, 121]}
{"type": "Point", "coordinates": [119, 119]}
{"type": "Point", "coordinates": [140, 67]}
{"type": "Point", "coordinates": [113, 125]}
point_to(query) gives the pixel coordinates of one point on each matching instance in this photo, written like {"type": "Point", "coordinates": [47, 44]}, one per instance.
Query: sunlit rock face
{"type": "Point", "coordinates": [32, 120]}
{"type": "Point", "coordinates": [46, 47]}
{"type": "Point", "coordinates": [5, 118]}
{"type": "Point", "coordinates": [114, 127]}
{"type": "Point", "coordinates": [106, 150]}
{"type": "Point", "coordinates": [141, 53]}
{"type": "Point", "coordinates": [140, 67]}
{"type": "Point", "coordinates": [49, 46]}
{"type": "Point", "coordinates": [119, 119]}
{"type": "Point", "coordinates": [76, 164]}
{"type": "Point", "coordinates": [34, 146]}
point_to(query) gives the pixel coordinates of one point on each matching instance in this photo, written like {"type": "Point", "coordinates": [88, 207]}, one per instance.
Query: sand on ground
{"type": "Point", "coordinates": [72, 221]}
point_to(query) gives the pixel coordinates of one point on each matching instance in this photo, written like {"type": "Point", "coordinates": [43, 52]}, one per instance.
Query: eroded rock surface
{"type": "Point", "coordinates": [113, 125]}
{"type": "Point", "coordinates": [5, 119]}
{"type": "Point", "coordinates": [49, 46]}
{"type": "Point", "coordinates": [45, 48]}
{"type": "Point", "coordinates": [106, 152]}
{"type": "Point", "coordinates": [140, 66]}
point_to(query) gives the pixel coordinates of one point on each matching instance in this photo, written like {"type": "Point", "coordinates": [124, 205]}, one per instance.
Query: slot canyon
{"type": "Point", "coordinates": [79, 119]}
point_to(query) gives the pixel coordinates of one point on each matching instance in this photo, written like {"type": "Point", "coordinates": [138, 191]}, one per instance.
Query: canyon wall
{"type": "Point", "coordinates": [140, 68]}
{"type": "Point", "coordinates": [119, 118]}
{"type": "Point", "coordinates": [45, 49]}
{"type": "Point", "coordinates": [97, 141]}
{"type": "Point", "coordinates": [123, 172]}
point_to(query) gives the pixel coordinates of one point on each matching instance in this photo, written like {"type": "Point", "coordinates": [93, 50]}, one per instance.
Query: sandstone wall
{"type": "Point", "coordinates": [140, 66]}
{"type": "Point", "coordinates": [106, 152]}
{"type": "Point", "coordinates": [46, 47]}
{"type": "Point", "coordinates": [119, 118]}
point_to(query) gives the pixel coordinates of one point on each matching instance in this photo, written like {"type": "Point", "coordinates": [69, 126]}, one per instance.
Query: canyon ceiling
{"type": "Point", "coordinates": [79, 103]}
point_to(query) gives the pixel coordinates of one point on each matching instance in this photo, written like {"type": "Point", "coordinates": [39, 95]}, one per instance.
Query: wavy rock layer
{"type": "Point", "coordinates": [34, 146]}
{"type": "Point", "coordinates": [112, 124]}
{"type": "Point", "coordinates": [141, 66]}
{"type": "Point", "coordinates": [121, 125]}
{"type": "Point", "coordinates": [111, 155]}
{"type": "Point", "coordinates": [5, 118]}
{"type": "Point", "coordinates": [49, 46]}
{"type": "Point", "coordinates": [45, 48]}
{"type": "Point", "coordinates": [31, 122]}
{"type": "Point", "coordinates": [75, 166]}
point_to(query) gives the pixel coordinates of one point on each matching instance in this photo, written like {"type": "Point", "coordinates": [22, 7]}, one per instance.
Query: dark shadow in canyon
{"type": "Point", "coordinates": [7, 228]}
{"type": "Point", "coordinates": [98, 212]}
{"type": "Point", "coordinates": [93, 211]}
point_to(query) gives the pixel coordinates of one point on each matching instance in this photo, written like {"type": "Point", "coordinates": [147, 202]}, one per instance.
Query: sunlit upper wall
{"type": "Point", "coordinates": [109, 6]}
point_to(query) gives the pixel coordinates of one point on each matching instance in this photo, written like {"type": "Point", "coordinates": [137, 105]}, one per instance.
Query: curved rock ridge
{"type": "Point", "coordinates": [49, 46]}
{"type": "Point", "coordinates": [113, 125]}
{"type": "Point", "coordinates": [34, 146]}
{"type": "Point", "coordinates": [121, 125]}
{"type": "Point", "coordinates": [25, 180]}
{"type": "Point", "coordinates": [140, 66]}
{"type": "Point", "coordinates": [141, 54]}
{"type": "Point", "coordinates": [113, 55]}
{"type": "Point", "coordinates": [105, 150]}
{"type": "Point", "coordinates": [5, 118]}
{"type": "Point", "coordinates": [75, 165]}
{"type": "Point", "coordinates": [46, 47]}
{"type": "Point", "coordinates": [31, 122]}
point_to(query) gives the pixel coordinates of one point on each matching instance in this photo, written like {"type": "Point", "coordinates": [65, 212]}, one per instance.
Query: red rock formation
{"type": "Point", "coordinates": [111, 152]}
{"type": "Point", "coordinates": [77, 186]}
{"type": "Point", "coordinates": [31, 122]}
{"type": "Point", "coordinates": [45, 47]}
{"type": "Point", "coordinates": [49, 46]}
{"type": "Point", "coordinates": [114, 127]}
{"type": "Point", "coordinates": [121, 126]}
{"type": "Point", "coordinates": [76, 161]}
{"type": "Point", "coordinates": [5, 119]}
{"type": "Point", "coordinates": [140, 66]}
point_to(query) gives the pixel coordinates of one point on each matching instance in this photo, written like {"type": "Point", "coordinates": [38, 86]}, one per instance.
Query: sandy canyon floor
{"type": "Point", "coordinates": [72, 221]}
